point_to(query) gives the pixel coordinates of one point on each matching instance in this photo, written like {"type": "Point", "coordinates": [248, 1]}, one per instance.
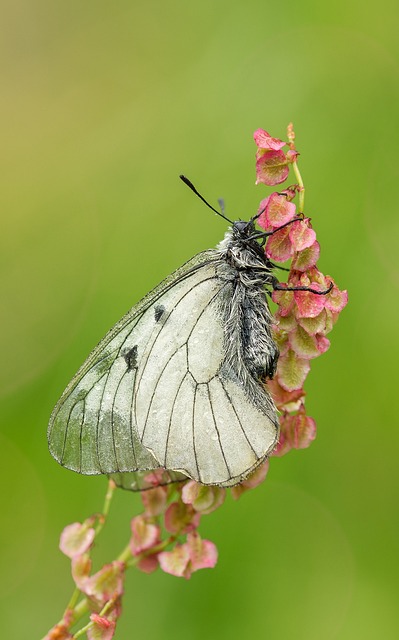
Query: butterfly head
{"type": "Point", "coordinates": [244, 228]}
{"type": "Point", "coordinates": [240, 245]}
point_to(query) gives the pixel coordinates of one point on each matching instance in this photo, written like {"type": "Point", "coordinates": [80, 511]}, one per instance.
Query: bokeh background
{"type": "Point", "coordinates": [102, 106]}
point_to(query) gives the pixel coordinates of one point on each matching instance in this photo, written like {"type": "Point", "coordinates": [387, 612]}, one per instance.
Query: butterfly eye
{"type": "Point", "coordinates": [242, 226]}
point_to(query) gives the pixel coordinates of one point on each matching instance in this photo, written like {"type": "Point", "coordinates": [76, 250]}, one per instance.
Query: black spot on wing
{"type": "Point", "coordinates": [131, 358]}
{"type": "Point", "coordinates": [158, 312]}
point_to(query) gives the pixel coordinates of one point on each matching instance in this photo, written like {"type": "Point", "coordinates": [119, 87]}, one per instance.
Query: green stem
{"type": "Point", "coordinates": [125, 556]}
{"type": "Point", "coordinates": [73, 601]}
{"type": "Point", "coordinates": [301, 190]}
{"type": "Point", "coordinates": [80, 611]}
{"type": "Point", "coordinates": [107, 503]}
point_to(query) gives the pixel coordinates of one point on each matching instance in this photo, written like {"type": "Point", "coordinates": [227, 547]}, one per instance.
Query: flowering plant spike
{"type": "Point", "coordinates": [165, 535]}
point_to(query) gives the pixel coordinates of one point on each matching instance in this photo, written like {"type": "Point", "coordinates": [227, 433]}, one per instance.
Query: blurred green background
{"type": "Point", "coordinates": [103, 105]}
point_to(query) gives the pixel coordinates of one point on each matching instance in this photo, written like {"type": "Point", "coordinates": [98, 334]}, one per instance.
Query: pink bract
{"type": "Point", "coordinates": [102, 629]}
{"type": "Point", "coordinates": [181, 518]}
{"type": "Point", "coordinates": [279, 246]}
{"type": "Point", "coordinates": [307, 258]}
{"type": "Point", "coordinates": [277, 210]}
{"type": "Point", "coordinates": [191, 556]}
{"type": "Point", "coordinates": [154, 500]}
{"type": "Point", "coordinates": [202, 498]}
{"type": "Point", "coordinates": [106, 584]}
{"type": "Point", "coordinates": [271, 167]}
{"type": "Point", "coordinates": [255, 479]}
{"type": "Point", "coordinates": [300, 430]}
{"type": "Point", "coordinates": [292, 371]}
{"type": "Point", "coordinates": [176, 561]}
{"type": "Point", "coordinates": [76, 538]}
{"type": "Point", "coordinates": [144, 535]}
{"type": "Point", "coordinates": [302, 235]}
{"type": "Point", "coordinates": [264, 140]}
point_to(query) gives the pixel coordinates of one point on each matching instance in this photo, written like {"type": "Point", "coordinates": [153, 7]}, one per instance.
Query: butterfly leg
{"type": "Point", "coordinates": [278, 286]}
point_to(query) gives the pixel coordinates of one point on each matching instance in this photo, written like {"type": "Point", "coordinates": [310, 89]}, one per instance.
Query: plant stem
{"type": "Point", "coordinates": [107, 503]}
{"type": "Point", "coordinates": [301, 189]}
{"type": "Point", "coordinates": [72, 603]}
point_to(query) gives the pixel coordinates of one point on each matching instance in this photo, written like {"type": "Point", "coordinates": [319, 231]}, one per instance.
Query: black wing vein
{"type": "Point", "coordinates": [143, 365]}
{"type": "Point", "coordinates": [171, 416]}
{"type": "Point", "coordinates": [178, 348]}
{"type": "Point", "coordinates": [217, 431]}
{"type": "Point", "coordinates": [237, 416]}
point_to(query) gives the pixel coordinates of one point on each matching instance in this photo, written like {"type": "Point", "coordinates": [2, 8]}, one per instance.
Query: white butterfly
{"type": "Point", "coordinates": [178, 383]}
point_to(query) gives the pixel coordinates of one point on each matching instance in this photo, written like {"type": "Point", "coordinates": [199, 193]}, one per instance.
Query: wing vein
{"type": "Point", "coordinates": [80, 435]}
{"type": "Point", "coordinates": [112, 416]}
{"type": "Point", "coordinates": [178, 348]}
{"type": "Point", "coordinates": [171, 416]}
{"type": "Point", "coordinates": [217, 431]}
{"type": "Point", "coordinates": [131, 421]}
{"type": "Point", "coordinates": [193, 433]}
{"type": "Point", "coordinates": [158, 335]}
{"type": "Point", "coordinates": [237, 416]}
{"type": "Point", "coordinates": [102, 395]}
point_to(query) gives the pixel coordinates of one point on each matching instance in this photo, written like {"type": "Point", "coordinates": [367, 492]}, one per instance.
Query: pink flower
{"type": "Point", "coordinates": [81, 567]}
{"type": "Point", "coordinates": [77, 538]}
{"type": "Point", "coordinates": [271, 167]}
{"type": "Point", "coordinates": [181, 518]}
{"type": "Point", "coordinates": [283, 445]}
{"type": "Point", "coordinates": [299, 429]}
{"type": "Point", "coordinates": [304, 345]}
{"type": "Point", "coordinates": [285, 302]}
{"type": "Point", "coordinates": [336, 299]}
{"type": "Point", "coordinates": [264, 140]}
{"type": "Point", "coordinates": [302, 235]}
{"type": "Point", "coordinates": [189, 557]}
{"type": "Point", "coordinates": [176, 561]}
{"type": "Point", "coordinates": [255, 479]}
{"type": "Point", "coordinates": [154, 500]}
{"type": "Point", "coordinates": [144, 535]}
{"type": "Point", "coordinates": [279, 246]}
{"type": "Point", "coordinates": [307, 258]}
{"type": "Point", "coordinates": [106, 584]}
{"type": "Point", "coordinates": [148, 563]}
{"type": "Point", "coordinates": [277, 210]}
{"type": "Point", "coordinates": [203, 499]}
{"type": "Point", "coordinates": [102, 629]}
{"type": "Point", "coordinates": [285, 400]}
{"type": "Point", "coordinates": [292, 371]}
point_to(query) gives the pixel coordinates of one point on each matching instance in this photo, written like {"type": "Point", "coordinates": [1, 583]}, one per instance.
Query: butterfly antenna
{"type": "Point", "coordinates": [190, 184]}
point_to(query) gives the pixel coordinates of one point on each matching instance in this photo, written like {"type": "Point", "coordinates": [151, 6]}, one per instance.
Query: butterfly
{"type": "Point", "coordinates": [178, 384]}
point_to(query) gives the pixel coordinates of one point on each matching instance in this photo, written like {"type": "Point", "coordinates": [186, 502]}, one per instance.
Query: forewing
{"type": "Point", "coordinates": [92, 429]}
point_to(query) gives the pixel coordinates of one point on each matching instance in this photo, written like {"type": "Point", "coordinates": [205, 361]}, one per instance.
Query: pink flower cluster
{"type": "Point", "coordinates": [303, 318]}
{"type": "Point", "coordinates": [103, 589]}
{"type": "Point", "coordinates": [165, 535]}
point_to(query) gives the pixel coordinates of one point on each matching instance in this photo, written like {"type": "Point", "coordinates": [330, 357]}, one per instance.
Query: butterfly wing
{"type": "Point", "coordinates": [156, 392]}
{"type": "Point", "coordinates": [92, 428]}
